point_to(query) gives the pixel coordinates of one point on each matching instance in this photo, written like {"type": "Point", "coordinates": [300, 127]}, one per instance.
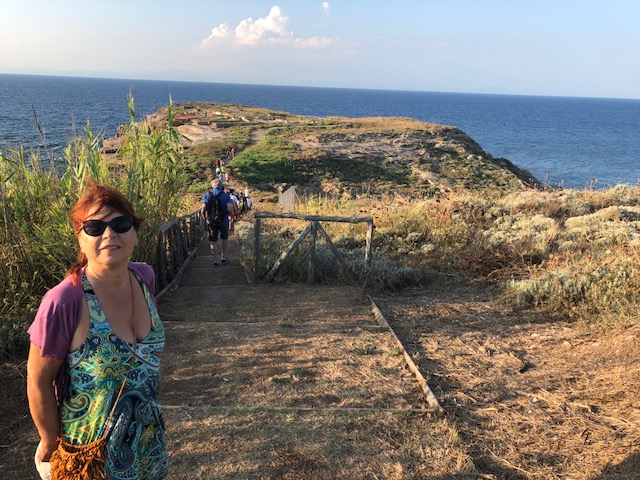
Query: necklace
{"type": "Point", "coordinates": [133, 315]}
{"type": "Point", "coordinates": [134, 345]}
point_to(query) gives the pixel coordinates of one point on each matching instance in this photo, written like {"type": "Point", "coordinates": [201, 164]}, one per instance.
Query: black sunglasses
{"type": "Point", "coordinates": [95, 228]}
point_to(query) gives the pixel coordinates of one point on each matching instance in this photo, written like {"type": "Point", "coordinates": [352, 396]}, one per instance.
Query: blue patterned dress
{"type": "Point", "coordinates": [136, 447]}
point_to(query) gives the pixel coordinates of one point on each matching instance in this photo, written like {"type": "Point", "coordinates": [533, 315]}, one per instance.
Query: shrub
{"type": "Point", "coordinates": [570, 252]}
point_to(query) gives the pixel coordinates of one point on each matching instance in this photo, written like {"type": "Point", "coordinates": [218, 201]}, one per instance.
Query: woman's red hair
{"type": "Point", "coordinates": [95, 198]}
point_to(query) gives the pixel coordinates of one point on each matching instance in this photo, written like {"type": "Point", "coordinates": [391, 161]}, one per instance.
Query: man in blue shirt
{"type": "Point", "coordinates": [221, 226]}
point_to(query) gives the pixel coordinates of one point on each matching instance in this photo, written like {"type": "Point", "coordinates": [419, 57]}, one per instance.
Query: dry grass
{"type": "Point", "coordinates": [532, 397]}
{"type": "Point", "coordinates": [376, 124]}
{"type": "Point", "coordinates": [285, 365]}
{"type": "Point", "coordinates": [304, 389]}
{"type": "Point", "coordinates": [312, 445]}
{"type": "Point", "coordinates": [297, 401]}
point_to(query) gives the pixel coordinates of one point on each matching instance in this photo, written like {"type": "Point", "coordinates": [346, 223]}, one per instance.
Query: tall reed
{"type": "Point", "coordinates": [37, 244]}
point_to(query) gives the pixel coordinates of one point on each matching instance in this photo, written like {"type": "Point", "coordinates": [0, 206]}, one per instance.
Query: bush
{"type": "Point", "coordinates": [570, 252]}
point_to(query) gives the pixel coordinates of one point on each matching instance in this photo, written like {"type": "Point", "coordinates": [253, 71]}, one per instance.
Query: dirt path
{"type": "Point", "coordinates": [285, 377]}
{"type": "Point", "coordinates": [299, 382]}
{"type": "Point", "coordinates": [284, 381]}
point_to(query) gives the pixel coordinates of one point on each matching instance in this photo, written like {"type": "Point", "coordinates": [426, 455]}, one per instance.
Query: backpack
{"type": "Point", "coordinates": [214, 208]}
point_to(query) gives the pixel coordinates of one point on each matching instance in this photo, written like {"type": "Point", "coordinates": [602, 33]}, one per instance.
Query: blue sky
{"type": "Point", "coordinates": [544, 47]}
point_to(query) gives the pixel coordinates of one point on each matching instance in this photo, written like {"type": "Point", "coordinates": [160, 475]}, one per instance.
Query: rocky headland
{"type": "Point", "coordinates": [337, 153]}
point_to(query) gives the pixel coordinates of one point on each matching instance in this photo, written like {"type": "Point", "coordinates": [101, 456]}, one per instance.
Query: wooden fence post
{"type": "Point", "coordinates": [367, 253]}
{"type": "Point", "coordinates": [312, 253]}
{"type": "Point", "coordinates": [181, 238]}
{"type": "Point", "coordinates": [256, 251]}
{"type": "Point", "coordinates": [175, 263]}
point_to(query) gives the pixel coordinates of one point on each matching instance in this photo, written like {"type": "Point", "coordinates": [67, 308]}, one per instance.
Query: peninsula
{"type": "Point", "coordinates": [333, 154]}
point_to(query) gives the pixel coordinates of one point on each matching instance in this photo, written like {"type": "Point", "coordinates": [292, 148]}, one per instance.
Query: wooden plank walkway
{"type": "Point", "coordinates": [252, 371]}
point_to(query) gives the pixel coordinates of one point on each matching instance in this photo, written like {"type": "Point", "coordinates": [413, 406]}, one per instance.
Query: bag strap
{"type": "Point", "coordinates": [113, 409]}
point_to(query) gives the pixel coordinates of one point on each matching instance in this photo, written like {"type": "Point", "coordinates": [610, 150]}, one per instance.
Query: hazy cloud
{"type": "Point", "coordinates": [8, 41]}
{"type": "Point", "coordinates": [270, 30]}
{"type": "Point", "coordinates": [313, 42]}
{"type": "Point", "coordinates": [325, 7]}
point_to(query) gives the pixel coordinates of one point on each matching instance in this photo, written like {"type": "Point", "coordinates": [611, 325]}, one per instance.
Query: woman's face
{"type": "Point", "coordinates": [109, 248]}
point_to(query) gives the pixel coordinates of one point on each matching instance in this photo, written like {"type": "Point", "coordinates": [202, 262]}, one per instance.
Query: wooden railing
{"type": "Point", "coordinates": [177, 241]}
{"type": "Point", "coordinates": [312, 230]}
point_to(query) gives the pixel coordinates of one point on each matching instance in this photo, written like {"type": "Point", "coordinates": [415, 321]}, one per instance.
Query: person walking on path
{"type": "Point", "coordinates": [205, 199]}
{"type": "Point", "coordinates": [247, 199]}
{"type": "Point", "coordinates": [217, 208]}
{"type": "Point", "coordinates": [236, 209]}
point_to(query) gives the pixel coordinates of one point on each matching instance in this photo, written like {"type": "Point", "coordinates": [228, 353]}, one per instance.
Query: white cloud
{"type": "Point", "coordinates": [325, 7]}
{"type": "Point", "coordinates": [220, 32]}
{"type": "Point", "coordinates": [270, 30]}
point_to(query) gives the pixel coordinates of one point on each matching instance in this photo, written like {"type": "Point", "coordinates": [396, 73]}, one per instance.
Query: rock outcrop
{"type": "Point", "coordinates": [383, 153]}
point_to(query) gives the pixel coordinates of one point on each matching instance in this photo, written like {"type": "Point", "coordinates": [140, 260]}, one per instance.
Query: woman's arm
{"type": "Point", "coordinates": [41, 373]}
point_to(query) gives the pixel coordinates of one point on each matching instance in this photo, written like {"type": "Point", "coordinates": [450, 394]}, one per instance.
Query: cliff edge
{"type": "Point", "coordinates": [337, 153]}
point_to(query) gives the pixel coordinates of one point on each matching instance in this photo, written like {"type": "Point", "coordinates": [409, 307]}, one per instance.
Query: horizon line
{"type": "Point", "coordinates": [374, 89]}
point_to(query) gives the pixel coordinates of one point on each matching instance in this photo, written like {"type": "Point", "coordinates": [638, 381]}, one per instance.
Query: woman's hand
{"type": "Point", "coordinates": [44, 452]}
{"type": "Point", "coordinates": [43, 467]}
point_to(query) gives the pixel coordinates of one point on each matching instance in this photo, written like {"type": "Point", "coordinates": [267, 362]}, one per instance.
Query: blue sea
{"type": "Point", "coordinates": [569, 141]}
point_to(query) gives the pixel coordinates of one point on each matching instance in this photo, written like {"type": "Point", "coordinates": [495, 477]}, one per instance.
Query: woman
{"type": "Point", "coordinates": [94, 329]}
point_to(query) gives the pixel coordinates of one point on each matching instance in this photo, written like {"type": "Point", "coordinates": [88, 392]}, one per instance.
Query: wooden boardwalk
{"type": "Point", "coordinates": [251, 371]}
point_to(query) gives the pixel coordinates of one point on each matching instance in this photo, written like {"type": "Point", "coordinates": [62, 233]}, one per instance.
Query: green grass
{"type": "Point", "coordinates": [268, 163]}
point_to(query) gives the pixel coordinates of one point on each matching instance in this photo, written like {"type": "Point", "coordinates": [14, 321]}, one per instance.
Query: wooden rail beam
{"type": "Point", "coordinates": [313, 227]}
{"type": "Point", "coordinates": [430, 398]}
{"type": "Point", "coordinates": [285, 254]}
{"type": "Point", "coordinates": [313, 218]}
